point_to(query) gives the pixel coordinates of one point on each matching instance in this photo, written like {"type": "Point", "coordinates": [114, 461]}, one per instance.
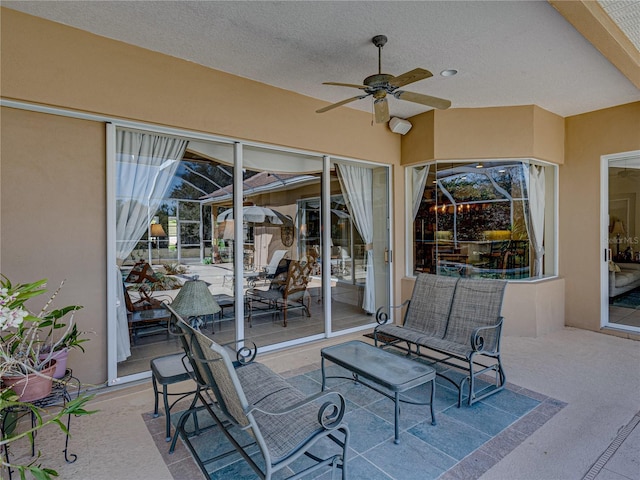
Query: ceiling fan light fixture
{"type": "Point", "coordinates": [450, 72]}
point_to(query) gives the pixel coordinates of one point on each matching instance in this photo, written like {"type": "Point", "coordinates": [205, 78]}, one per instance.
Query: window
{"type": "Point", "coordinates": [487, 219]}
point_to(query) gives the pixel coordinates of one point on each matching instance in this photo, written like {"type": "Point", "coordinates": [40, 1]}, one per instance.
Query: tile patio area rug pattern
{"type": "Point", "coordinates": [465, 443]}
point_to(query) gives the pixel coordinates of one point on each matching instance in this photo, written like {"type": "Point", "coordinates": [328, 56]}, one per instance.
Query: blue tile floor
{"type": "Point", "coordinates": [464, 444]}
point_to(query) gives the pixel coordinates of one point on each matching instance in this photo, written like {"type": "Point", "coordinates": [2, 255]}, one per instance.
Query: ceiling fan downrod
{"type": "Point", "coordinates": [379, 41]}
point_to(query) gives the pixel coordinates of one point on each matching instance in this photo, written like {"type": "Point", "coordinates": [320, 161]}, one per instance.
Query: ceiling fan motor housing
{"type": "Point", "coordinates": [379, 40]}
{"type": "Point", "coordinates": [379, 80]}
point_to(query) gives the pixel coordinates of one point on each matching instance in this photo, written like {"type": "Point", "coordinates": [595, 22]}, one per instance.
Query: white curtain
{"type": "Point", "coordinates": [357, 187]}
{"type": "Point", "coordinates": [145, 166]}
{"type": "Point", "coordinates": [536, 190]}
{"type": "Point", "coordinates": [419, 181]}
{"type": "Point", "coordinates": [122, 331]}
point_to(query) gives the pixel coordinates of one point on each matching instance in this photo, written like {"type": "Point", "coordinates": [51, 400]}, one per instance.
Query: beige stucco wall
{"type": "Point", "coordinates": [53, 215]}
{"type": "Point", "coordinates": [588, 137]}
{"type": "Point", "coordinates": [470, 133]}
{"type": "Point", "coordinates": [53, 183]}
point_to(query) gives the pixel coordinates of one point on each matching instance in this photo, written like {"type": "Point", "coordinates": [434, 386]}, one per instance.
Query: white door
{"type": "Point", "coordinates": [621, 239]}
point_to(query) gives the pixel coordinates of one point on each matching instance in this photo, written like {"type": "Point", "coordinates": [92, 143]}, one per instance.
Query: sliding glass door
{"type": "Point", "coordinates": [621, 285]}
{"type": "Point", "coordinates": [276, 235]}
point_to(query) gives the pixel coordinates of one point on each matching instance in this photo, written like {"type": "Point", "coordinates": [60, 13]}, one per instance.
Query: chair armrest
{"type": "Point", "coordinates": [330, 412]}
{"type": "Point", "coordinates": [382, 316]}
{"type": "Point", "coordinates": [244, 355]}
{"type": "Point", "coordinates": [477, 340]}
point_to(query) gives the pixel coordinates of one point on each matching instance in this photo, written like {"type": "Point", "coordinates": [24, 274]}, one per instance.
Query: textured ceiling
{"type": "Point", "coordinates": [506, 53]}
{"type": "Point", "coordinates": [625, 14]}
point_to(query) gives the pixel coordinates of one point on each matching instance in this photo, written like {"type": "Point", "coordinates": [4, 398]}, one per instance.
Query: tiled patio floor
{"type": "Point", "coordinates": [465, 443]}
{"type": "Point", "coordinates": [596, 375]}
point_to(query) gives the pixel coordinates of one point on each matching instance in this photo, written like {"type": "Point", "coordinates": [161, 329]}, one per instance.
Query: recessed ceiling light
{"type": "Point", "coordinates": [449, 72]}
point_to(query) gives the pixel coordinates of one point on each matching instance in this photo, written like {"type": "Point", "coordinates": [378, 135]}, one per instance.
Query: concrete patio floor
{"type": "Point", "coordinates": [593, 437]}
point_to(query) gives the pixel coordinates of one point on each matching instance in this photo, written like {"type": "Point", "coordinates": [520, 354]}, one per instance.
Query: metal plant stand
{"type": "Point", "coordinates": [59, 397]}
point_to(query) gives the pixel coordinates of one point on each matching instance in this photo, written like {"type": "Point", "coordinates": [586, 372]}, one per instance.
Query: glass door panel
{"type": "Point", "coordinates": [160, 213]}
{"type": "Point", "coordinates": [281, 274]}
{"type": "Point", "coordinates": [360, 268]}
{"type": "Point", "coordinates": [624, 245]}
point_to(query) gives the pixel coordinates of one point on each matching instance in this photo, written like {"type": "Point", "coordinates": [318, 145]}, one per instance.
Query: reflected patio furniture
{"type": "Point", "coordinates": [495, 257]}
{"type": "Point", "coordinates": [339, 261]}
{"type": "Point", "coordinates": [285, 292]}
{"type": "Point", "coordinates": [270, 270]}
{"type": "Point", "coordinates": [516, 260]}
{"type": "Point", "coordinates": [147, 313]}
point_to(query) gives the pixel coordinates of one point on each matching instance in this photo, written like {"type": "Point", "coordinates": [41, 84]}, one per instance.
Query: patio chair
{"type": "Point", "coordinates": [285, 291]}
{"type": "Point", "coordinates": [253, 406]}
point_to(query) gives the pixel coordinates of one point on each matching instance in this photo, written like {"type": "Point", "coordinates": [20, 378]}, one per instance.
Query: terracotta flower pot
{"type": "Point", "coordinates": [32, 387]}
{"type": "Point", "coordinates": [61, 361]}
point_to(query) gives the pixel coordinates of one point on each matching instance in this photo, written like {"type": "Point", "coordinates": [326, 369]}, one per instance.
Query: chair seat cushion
{"type": "Point", "coordinates": [403, 333]}
{"type": "Point", "coordinates": [268, 391]}
{"type": "Point", "coordinates": [271, 294]}
{"type": "Point", "coordinates": [170, 369]}
{"type": "Point", "coordinates": [449, 347]}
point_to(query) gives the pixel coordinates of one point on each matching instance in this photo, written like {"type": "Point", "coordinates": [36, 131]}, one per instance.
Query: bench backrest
{"type": "Point", "coordinates": [476, 303]}
{"type": "Point", "coordinates": [430, 304]}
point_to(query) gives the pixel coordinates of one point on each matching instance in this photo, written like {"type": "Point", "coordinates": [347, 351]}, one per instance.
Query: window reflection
{"type": "Point", "coordinates": [482, 219]}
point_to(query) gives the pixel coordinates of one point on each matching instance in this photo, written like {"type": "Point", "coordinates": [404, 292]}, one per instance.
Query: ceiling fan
{"type": "Point", "coordinates": [381, 84]}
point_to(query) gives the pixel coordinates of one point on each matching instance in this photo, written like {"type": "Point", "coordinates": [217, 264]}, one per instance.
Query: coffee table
{"type": "Point", "coordinates": [394, 373]}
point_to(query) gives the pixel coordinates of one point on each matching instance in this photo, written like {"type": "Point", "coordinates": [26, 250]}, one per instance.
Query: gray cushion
{"type": "Point", "coordinates": [430, 304]}
{"type": "Point", "coordinates": [476, 303]}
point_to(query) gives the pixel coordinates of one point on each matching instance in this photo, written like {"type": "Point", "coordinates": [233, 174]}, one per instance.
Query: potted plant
{"type": "Point", "coordinates": [57, 347]}
{"type": "Point", "coordinates": [27, 343]}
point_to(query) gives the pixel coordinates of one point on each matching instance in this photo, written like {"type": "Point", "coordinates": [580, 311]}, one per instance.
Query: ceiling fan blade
{"type": "Point", "coordinates": [345, 85]}
{"type": "Point", "coordinates": [339, 104]}
{"type": "Point", "coordinates": [381, 108]}
{"type": "Point", "coordinates": [410, 77]}
{"type": "Point", "coordinates": [428, 100]}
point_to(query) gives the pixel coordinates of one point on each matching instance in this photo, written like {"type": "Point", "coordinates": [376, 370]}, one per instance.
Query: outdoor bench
{"type": "Point", "coordinates": [258, 410]}
{"type": "Point", "coordinates": [455, 325]}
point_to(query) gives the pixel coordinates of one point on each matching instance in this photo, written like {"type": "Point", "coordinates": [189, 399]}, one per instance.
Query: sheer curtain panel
{"type": "Point", "coordinates": [145, 166]}
{"type": "Point", "coordinates": [357, 186]}
{"type": "Point", "coordinates": [537, 193]}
